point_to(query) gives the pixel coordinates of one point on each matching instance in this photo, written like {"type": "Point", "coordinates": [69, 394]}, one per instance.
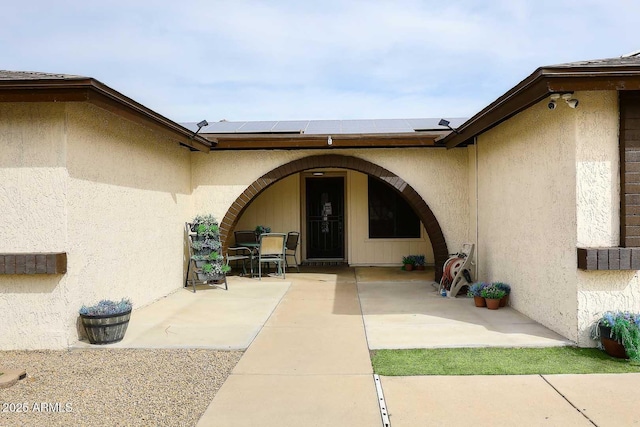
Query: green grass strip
{"type": "Point", "coordinates": [498, 361]}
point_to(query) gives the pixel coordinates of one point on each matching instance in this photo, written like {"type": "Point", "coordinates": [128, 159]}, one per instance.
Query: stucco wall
{"type": "Point", "coordinates": [33, 192]}
{"type": "Point", "coordinates": [110, 193]}
{"type": "Point", "coordinates": [598, 198]}
{"type": "Point", "coordinates": [527, 213]}
{"type": "Point", "coordinates": [128, 199]}
{"type": "Point", "coordinates": [220, 177]}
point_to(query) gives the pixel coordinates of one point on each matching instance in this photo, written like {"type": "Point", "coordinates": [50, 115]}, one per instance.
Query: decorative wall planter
{"type": "Point", "coordinates": [106, 329]}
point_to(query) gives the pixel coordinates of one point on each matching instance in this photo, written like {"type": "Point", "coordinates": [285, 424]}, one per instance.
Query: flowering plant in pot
{"type": "Point", "coordinates": [420, 261]}
{"type": "Point", "coordinates": [507, 291]}
{"type": "Point", "coordinates": [106, 322]}
{"type": "Point", "coordinates": [492, 296]}
{"type": "Point", "coordinates": [408, 262]}
{"type": "Point", "coordinates": [475, 291]}
{"type": "Point", "coordinates": [619, 334]}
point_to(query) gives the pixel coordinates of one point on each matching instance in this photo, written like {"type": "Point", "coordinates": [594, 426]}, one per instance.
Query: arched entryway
{"type": "Point", "coordinates": [421, 208]}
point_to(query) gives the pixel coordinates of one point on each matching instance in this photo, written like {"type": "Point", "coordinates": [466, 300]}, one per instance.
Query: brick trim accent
{"type": "Point", "coordinates": [414, 199]}
{"type": "Point", "coordinates": [33, 263]}
{"type": "Point", "coordinates": [608, 258]}
{"type": "Point", "coordinates": [629, 168]}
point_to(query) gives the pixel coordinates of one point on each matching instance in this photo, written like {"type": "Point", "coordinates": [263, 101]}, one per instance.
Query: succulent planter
{"type": "Point", "coordinates": [105, 328]}
{"type": "Point", "coordinates": [204, 277]}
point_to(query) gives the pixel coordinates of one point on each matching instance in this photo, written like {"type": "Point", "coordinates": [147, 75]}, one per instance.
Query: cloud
{"type": "Point", "coordinates": [253, 60]}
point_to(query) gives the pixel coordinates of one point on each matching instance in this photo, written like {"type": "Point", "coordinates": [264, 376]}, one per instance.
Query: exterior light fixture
{"type": "Point", "coordinates": [329, 140]}
{"type": "Point", "coordinates": [571, 101]}
{"type": "Point", "coordinates": [200, 126]}
{"type": "Point", "coordinates": [318, 174]}
{"type": "Point", "coordinates": [445, 123]}
{"type": "Point", "coordinates": [567, 96]}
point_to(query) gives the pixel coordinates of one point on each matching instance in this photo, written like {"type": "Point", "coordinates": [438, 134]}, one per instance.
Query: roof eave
{"type": "Point", "coordinates": [91, 90]}
{"type": "Point", "coordinates": [537, 86]}
{"type": "Point", "coordinates": [262, 141]}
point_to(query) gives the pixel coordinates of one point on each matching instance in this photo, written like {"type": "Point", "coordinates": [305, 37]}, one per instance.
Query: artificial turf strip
{"type": "Point", "coordinates": [498, 361]}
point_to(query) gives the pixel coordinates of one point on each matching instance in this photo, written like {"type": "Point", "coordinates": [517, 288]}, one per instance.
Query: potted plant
{"type": "Point", "coordinates": [408, 262]}
{"type": "Point", "coordinates": [106, 322]}
{"type": "Point", "coordinates": [619, 334]}
{"type": "Point", "coordinates": [420, 262]}
{"type": "Point", "coordinates": [213, 268]}
{"type": "Point", "coordinates": [475, 291]}
{"type": "Point", "coordinates": [261, 229]}
{"type": "Point", "coordinates": [507, 290]}
{"type": "Point", "coordinates": [492, 296]}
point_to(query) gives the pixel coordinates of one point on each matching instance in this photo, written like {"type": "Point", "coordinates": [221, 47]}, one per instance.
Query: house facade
{"type": "Point", "coordinates": [95, 189]}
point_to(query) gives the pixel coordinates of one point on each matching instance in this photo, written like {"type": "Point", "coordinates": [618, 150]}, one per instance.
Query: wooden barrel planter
{"type": "Point", "coordinates": [106, 329]}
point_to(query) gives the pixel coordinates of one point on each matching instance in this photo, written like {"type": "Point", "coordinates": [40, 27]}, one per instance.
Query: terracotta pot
{"type": "Point", "coordinates": [492, 304]}
{"type": "Point", "coordinates": [479, 301]}
{"type": "Point", "coordinates": [408, 267]}
{"type": "Point", "coordinates": [612, 347]}
{"type": "Point", "coordinates": [504, 300]}
{"type": "Point", "coordinates": [419, 267]}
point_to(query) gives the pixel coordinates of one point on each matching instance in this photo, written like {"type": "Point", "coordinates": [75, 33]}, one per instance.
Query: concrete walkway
{"type": "Point", "coordinates": [307, 362]}
{"type": "Point", "coordinates": [309, 366]}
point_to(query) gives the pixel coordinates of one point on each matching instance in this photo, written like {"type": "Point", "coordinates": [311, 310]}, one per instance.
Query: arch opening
{"type": "Point", "coordinates": [428, 219]}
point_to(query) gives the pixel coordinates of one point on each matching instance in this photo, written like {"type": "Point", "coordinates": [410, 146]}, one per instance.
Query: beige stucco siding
{"type": "Point", "coordinates": [526, 212]}
{"type": "Point", "coordinates": [220, 177]}
{"type": "Point", "coordinates": [111, 193]}
{"type": "Point", "coordinates": [598, 191]}
{"type": "Point", "coordinates": [128, 200]}
{"type": "Point", "coordinates": [33, 192]}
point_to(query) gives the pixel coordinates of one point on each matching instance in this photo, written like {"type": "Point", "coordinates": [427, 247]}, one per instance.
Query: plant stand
{"type": "Point", "coordinates": [106, 329]}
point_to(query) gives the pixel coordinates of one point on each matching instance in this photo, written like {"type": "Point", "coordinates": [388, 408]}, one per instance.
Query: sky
{"type": "Point", "coordinates": [302, 60]}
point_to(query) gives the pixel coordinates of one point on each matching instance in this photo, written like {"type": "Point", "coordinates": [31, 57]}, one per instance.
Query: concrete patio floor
{"type": "Point", "coordinates": [400, 310]}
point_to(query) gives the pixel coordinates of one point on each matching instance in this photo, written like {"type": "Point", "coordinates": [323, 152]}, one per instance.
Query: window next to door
{"type": "Point", "coordinates": [390, 216]}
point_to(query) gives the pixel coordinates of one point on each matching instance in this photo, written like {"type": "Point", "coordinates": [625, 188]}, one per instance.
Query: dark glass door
{"type": "Point", "coordinates": [325, 217]}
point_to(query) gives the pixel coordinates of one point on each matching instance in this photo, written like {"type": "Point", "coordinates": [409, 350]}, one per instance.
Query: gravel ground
{"type": "Point", "coordinates": [113, 387]}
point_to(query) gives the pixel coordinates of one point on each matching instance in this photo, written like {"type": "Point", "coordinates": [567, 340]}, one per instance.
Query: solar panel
{"type": "Point", "coordinates": [327, 127]}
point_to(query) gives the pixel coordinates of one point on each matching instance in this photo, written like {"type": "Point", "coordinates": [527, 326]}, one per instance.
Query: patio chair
{"type": "Point", "coordinates": [272, 249]}
{"type": "Point", "coordinates": [291, 249]}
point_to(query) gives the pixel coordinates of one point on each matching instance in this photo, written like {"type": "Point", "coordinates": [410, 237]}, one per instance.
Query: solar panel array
{"type": "Point", "coordinates": [326, 127]}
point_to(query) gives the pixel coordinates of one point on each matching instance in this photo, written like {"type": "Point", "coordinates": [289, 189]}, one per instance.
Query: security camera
{"type": "Point", "coordinates": [552, 105]}
{"type": "Point", "coordinates": [573, 103]}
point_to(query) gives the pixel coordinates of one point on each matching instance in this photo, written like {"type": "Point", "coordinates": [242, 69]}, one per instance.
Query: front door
{"type": "Point", "coordinates": [325, 217]}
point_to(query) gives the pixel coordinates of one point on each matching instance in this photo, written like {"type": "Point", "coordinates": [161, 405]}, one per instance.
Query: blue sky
{"type": "Point", "coordinates": [283, 60]}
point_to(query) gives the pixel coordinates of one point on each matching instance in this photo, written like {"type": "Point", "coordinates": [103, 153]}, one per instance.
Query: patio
{"type": "Point", "coordinates": [399, 309]}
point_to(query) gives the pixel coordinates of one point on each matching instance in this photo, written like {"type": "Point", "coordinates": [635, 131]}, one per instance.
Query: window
{"type": "Point", "coordinates": [390, 216]}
